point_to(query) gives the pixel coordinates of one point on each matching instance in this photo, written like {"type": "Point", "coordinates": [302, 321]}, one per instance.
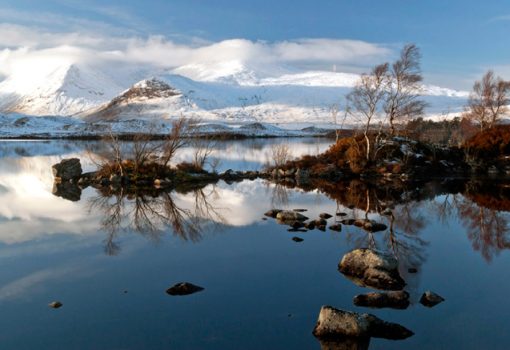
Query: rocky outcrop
{"type": "Point", "coordinates": [371, 268]}
{"type": "Point", "coordinates": [335, 323]}
{"type": "Point", "coordinates": [394, 300]}
{"type": "Point", "coordinates": [67, 169]}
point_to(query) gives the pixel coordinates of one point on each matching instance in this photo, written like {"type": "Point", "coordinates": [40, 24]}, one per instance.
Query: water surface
{"type": "Point", "coordinates": [110, 260]}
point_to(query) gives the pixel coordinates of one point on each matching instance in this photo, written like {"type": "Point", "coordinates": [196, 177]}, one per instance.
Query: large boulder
{"type": "Point", "coordinates": [334, 323]}
{"type": "Point", "coordinates": [372, 268]}
{"type": "Point", "coordinates": [67, 169]}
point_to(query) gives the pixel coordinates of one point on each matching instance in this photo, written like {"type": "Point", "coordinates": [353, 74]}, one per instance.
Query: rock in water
{"type": "Point", "coordinates": [55, 304]}
{"type": "Point", "coordinates": [371, 268]}
{"type": "Point", "coordinates": [272, 213]}
{"type": "Point", "coordinates": [184, 288]}
{"type": "Point", "coordinates": [297, 224]}
{"type": "Point", "coordinates": [334, 323]}
{"type": "Point", "coordinates": [290, 215]}
{"type": "Point", "coordinates": [348, 221]}
{"type": "Point", "coordinates": [67, 169]}
{"type": "Point", "coordinates": [325, 216]}
{"type": "Point", "coordinates": [394, 300]}
{"type": "Point", "coordinates": [297, 239]}
{"type": "Point", "coordinates": [310, 225]}
{"type": "Point", "coordinates": [336, 227]}
{"type": "Point", "coordinates": [430, 299]}
{"type": "Point", "coordinates": [372, 226]}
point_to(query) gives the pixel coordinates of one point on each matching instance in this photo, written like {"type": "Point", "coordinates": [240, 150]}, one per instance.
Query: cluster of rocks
{"type": "Point", "coordinates": [301, 223]}
{"type": "Point", "coordinates": [366, 224]}
{"type": "Point", "coordinates": [374, 269]}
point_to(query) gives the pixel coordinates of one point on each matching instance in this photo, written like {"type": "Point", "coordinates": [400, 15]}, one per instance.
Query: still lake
{"type": "Point", "coordinates": [110, 260]}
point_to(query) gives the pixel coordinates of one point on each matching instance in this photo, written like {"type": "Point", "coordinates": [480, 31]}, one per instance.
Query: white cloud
{"type": "Point", "coordinates": [19, 43]}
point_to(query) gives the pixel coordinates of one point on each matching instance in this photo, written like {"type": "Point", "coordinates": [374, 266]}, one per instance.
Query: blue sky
{"type": "Point", "coordinates": [458, 39]}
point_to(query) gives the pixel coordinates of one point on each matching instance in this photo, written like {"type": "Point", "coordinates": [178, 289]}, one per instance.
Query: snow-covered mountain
{"type": "Point", "coordinates": [230, 91]}
{"type": "Point", "coordinates": [61, 89]}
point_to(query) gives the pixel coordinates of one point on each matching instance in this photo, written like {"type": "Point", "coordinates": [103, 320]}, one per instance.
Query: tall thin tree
{"type": "Point", "coordinates": [366, 97]}
{"type": "Point", "coordinates": [402, 101]}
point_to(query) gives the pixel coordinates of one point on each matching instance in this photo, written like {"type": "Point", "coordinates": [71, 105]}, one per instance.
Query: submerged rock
{"type": "Point", "coordinates": [67, 169]}
{"type": "Point", "coordinates": [55, 304]}
{"type": "Point", "coordinates": [412, 270]}
{"type": "Point", "coordinates": [372, 268]}
{"type": "Point", "coordinates": [335, 323]}
{"type": "Point", "coordinates": [297, 239]}
{"type": "Point", "coordinates": [430, 299]}
{"type": "Point", "coordinates": [290, 215]}
{"type": "Point", "coordinates": [394, 300]}
{"type": "Point", "coordinates": [184, 288]}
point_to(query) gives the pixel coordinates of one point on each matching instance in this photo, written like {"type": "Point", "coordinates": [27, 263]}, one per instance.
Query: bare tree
{"type": "Point", "coordinates": [203, 148]}
{"type": "Point", "coordinates": [488, 101]}
{"type": "Point", "coordinates": [366, 98]}
{"type": "Point", "coordinates": [280, 154]}
{"type": "Point", "coordinates": [404, 86]}
{"type": "Point", "coordinates": [176, 139]}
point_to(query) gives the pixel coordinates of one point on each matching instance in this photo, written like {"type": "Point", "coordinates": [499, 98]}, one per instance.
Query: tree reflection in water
{"type": "Point", "coordinates": [484, 212]}
{"type": "Point", "coordinates": [152, 214]}
{"type": "Point", "coordinates": [481, 206]}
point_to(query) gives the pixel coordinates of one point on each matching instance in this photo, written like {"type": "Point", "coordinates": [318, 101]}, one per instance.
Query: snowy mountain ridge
{"type": "Point", "coordinates": [230, 91]}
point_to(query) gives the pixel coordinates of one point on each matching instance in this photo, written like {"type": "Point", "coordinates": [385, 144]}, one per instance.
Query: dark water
{"type": "Point", "coordinates": [110, 260]}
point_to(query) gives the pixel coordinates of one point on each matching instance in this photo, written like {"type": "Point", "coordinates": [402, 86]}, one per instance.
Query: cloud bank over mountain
{"type": "Point", "coordinates": [22, 46]}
